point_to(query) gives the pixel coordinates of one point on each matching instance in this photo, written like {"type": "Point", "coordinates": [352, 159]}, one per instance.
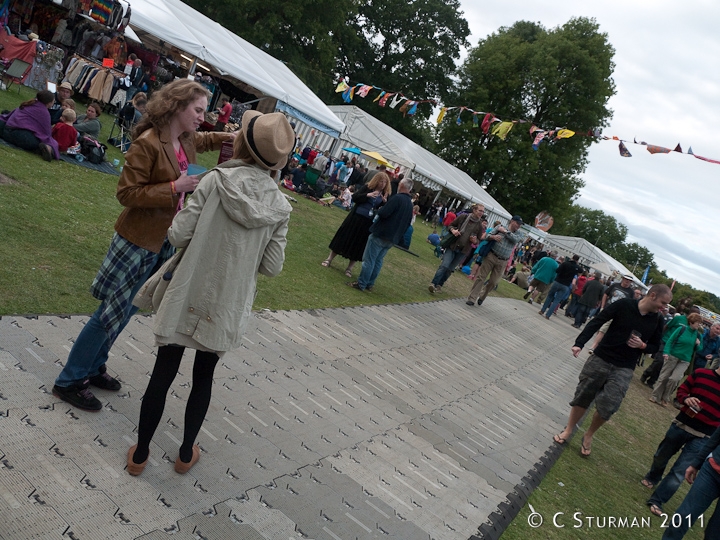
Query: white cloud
{"type": "Point", "coordinates": [667, 93]}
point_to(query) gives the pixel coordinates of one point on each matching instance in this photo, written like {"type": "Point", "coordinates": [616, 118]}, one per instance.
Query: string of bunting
{"type": "Point", "coordinates": [492, 125]}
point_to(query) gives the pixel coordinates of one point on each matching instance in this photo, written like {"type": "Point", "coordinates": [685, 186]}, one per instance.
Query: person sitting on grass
{"type": "Point", "coordinates": [298, 176]}
{"type": "Point", "coordinates": [521, 278]}
{"type": "Point", "coordinates": [340, 197]}
{"type": "Point", "coordinates": [68, 104]}
{"type": "Point", "coordinates": [88, 123]}
{"type": "Point", "coordinates": [64, 132]}
{"type": "Point", "coordinates": [28, 127]}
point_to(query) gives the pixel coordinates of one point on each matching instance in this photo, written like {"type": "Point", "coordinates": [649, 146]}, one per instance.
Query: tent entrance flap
{"type": "Point", "coordinates": [292, 111]}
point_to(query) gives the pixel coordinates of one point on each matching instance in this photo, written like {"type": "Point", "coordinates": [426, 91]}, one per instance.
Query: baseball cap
{"type": "Point", "coordinates": [518, 219]}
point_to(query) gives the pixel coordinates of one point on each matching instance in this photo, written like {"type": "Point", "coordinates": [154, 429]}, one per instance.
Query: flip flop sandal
{"type": "Point", "coordinates": [325, 263]}
{"type": "Point", "coordinates": [584, 450]}
{"type": "Point", "coordinates": [647, 483]}
{"type": "Point", "coordinates": [348, 273]}
{"type": "Point", "coordinates": [559, 440]}
{"type": "Point", "coordinates": [656, 510]}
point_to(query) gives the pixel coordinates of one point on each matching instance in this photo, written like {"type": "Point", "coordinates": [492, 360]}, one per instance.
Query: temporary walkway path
{"type": "Point", "coordinates": [418, 421]}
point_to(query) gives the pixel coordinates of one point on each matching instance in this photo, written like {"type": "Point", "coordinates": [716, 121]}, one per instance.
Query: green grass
{"type": "Point", "coordinates": [608, 482]}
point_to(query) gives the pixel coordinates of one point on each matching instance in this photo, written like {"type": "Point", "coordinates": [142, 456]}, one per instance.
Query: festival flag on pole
{"type": "Point", "coordinates": [645, 274]}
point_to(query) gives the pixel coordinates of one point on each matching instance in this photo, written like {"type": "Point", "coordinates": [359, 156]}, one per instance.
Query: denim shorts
{"type": "Point", "coordinates": [603, 382]}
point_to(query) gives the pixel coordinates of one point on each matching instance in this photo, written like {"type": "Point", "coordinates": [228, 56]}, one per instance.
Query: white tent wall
{"type": "Point", "coordinates": [369, 133]}
{"type": "Point", "coordinates": [179, 25]}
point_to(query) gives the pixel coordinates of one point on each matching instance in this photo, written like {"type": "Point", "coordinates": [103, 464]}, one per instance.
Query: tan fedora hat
{"type": "Point", "coordinates": [68, 86]}
{"type": "Point", "coordinates": [269, 137]}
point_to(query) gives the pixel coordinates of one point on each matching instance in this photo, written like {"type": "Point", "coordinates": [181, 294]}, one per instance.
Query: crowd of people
{"type": "Point", "coordinates": [203, 291]}
{"type": "Point", "coordinates": [50, 124]}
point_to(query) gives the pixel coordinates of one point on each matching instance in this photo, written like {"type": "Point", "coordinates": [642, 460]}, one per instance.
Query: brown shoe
{"type": "Point", "coordinates": [181, 467]}
{"type": "Point", "coordinates": [134, 469]}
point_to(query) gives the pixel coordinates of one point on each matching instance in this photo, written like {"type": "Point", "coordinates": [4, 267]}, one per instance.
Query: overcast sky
{"type": "Point", "coordinates": [668, 92]}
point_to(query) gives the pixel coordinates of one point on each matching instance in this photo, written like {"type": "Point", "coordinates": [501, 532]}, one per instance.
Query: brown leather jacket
{"type": "Point", "coordinates": [144, 186]}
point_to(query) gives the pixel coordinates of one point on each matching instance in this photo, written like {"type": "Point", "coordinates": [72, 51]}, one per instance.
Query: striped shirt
{"type": "Point", "coordinates": [704, 384]}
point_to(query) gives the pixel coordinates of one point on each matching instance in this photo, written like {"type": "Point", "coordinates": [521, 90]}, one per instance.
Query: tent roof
{"type": "Point", "coordinates": [590, 254]}
{"type": "Point", "coordinates": [180, 25]}
{"type": "Point", "coordinates": [366, 131]}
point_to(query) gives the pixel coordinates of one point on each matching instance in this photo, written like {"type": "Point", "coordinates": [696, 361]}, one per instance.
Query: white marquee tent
{"type": "Point", "coordinates": [367, 132]}
{"type": "Point", "coordinates": [179, 25]}
{"type": "Point", "coordinates": [590, 255]}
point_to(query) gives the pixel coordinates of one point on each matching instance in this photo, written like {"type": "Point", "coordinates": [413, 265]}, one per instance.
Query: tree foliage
{"type": "Point", "coordinates": [595, 226]}
{"type": "Point", "coordinates": [551, 78]}
{"type": "Point", "coordinates": [410, 46]}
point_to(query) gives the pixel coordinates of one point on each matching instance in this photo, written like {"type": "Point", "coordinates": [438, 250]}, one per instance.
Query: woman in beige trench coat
{"type": "Point", "coordinates": [233, 227]}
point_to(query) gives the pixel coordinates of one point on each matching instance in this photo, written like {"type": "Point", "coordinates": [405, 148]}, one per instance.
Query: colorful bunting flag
{"type": "Point", "coordinates": [538, 139]}
{"type": "Point", "coordinates": [384, 99]}
{"type": "Point", "coordinates": [364, 89]}
{"type": "Point", "coordinates": [489, 117]}
{"type": "Point", "coordinates": [624, 152]}
{"type": "Point", "coordinates": [441, 115]}
{"type": "Point", "coordinates": [396, 100]}
{"type": "Point", "coordinates": [657, 149]}
{"type": "Point", "coordinates": [502, 129]}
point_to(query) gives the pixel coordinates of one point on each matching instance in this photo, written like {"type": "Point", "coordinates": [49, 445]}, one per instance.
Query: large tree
{"type": "Point", "coordinates": [550, 78]}
{"type": "Point", "coordinates": [408, 46]}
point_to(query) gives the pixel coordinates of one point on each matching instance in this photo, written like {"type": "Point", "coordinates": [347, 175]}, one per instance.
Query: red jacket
{"type": "Point", "coordinates": [65, 135]}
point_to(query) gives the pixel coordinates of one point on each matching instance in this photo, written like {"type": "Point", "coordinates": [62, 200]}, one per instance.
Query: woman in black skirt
{"type": "Point", "coordinates": [350, 239]}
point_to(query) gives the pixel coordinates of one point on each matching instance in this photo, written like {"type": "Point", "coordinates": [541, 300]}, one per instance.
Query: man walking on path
{"type": "Point", "coordinates": [613, 293]}
{"type": "Point", "coordinates": [635, 327]}
{"type": "Point", "coordinates": [697, 420]}
{"type": "Point", "coordinates": [592, 292]}
{"type": "Point", "coordinates": [560, 288]}
{"type": "Point", "coordinates": [392, 222]}
{"type": "Point", "coordinates": [495, 261]}
{"type": "Point", "coordinates": [543, 275]}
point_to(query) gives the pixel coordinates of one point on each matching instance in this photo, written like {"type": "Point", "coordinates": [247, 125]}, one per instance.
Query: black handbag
{"type": "Point", "coordinates": [93, 150]}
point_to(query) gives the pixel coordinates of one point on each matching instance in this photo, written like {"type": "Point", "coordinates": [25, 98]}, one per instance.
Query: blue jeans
{"type": "Point", "coordinates": [91, 347]}
{"type": "Point", "coordinates": [675, 439]}
{"type": "Point", "coordinates": [703, 492]}
{"type": "Point", "coordinates": [581, 313]}
{"type": "Point", "coordinates": [449, 261]}
{"type": "Point", "coordinates": [558, 292]}
{"type": "Point", "coordinates": [373, 256]}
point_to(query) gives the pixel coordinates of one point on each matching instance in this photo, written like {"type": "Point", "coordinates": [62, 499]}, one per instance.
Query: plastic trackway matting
{"type": "Point", "coordinates": [396, 421]}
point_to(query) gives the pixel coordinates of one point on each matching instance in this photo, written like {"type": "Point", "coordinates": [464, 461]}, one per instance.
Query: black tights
{"type": "Point", "coordinates": [153, 403]}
